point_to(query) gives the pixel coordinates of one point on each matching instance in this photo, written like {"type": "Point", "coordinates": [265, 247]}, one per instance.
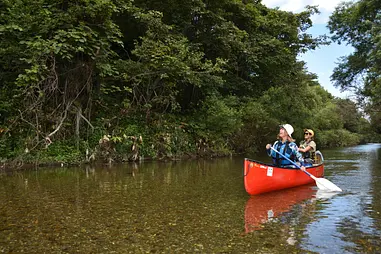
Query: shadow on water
{"type": "Point", "coordinates": [190, 206]}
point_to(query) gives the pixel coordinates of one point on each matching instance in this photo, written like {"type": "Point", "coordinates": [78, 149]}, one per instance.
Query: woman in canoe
{"type": "Point", "coordinates": [285, 145]}
{"type": "Point", "coordinates": [308, 147]}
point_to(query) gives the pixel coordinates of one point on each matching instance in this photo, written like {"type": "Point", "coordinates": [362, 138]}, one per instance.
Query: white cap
{"type": "Point", "coordinates": [288, 128]}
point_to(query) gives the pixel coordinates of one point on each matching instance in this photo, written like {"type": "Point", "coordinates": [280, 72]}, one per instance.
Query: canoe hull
{"type": "Point", "coordinates": [260, 177]}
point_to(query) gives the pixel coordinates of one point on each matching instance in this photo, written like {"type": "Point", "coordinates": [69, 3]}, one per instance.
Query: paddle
{"type": "Point", "coordinates": [322, 183]}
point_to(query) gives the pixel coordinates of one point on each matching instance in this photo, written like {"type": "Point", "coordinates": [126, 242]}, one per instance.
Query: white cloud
{"type": "Point", "coordinates": [326, 7]}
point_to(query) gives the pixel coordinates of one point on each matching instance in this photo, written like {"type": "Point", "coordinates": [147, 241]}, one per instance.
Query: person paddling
{"type": "Point", "coordinates": [286, 146]}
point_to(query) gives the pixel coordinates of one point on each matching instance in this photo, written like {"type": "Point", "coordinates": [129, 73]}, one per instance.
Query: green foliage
{"type": "Point", "coordinates": [164, 67]}
{"type": "Point", "coordinates": [220, 116]}
{"type": "Point", "coordinates": [171, 139]}
{"type": "Point", "coordinates": [289, 103]}
{"type": "Point", "coordinates": [327, 118]}
{"type": "Point", "coordinates": [347, 109]}
{"type": "Point", "coordinates": [121, 79]}
{"type": "Point", "coordinates": [10, 146]}
{"type": "Point", "coordinates": [58, 152]}
{"type": "Point", "coordinates": [257, 129]}
{"type": "Point", "coordinates": [53, 51]}
{"type": "Point", "coordinates": [260, 44]}
{"type": "Point", "coordinates": [337, 138]}
{"type": "Point", "coordinates": [358, 24]}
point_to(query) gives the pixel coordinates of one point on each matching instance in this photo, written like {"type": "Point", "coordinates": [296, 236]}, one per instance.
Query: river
{"type": "Point", "coordinates": [190, 206]}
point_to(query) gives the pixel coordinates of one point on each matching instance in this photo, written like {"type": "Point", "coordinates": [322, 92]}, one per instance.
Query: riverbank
{"type": "Point", "coordinates": [21, 165]}
{"type": "Point", "coordinates": [181, 144]}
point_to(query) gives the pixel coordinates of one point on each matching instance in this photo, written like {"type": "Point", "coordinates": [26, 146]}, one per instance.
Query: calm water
{"type": "Point", "coordinates": [191, 206]}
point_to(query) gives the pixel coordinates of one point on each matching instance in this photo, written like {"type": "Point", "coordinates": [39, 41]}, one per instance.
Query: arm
{"type": "Point", "coordinates": [295, 151]}
{"type": "Point", "coordinates": [269, 151]}
{"type": "Point", "coordinates": [268, 147]}
{"type": "Point", "coordinates": [299, 156]}
{"type": "Point", "coordinates": [303, 150]}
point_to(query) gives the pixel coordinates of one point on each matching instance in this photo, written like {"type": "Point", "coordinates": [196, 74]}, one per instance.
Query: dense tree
{"type": "Point", "coordinates": [358, 24]}
{"type": "Point", "coordinates": [155, 78]}
{"type": "Point", "coordinates": [349, 113]}
{"type": "Point", "coordinates": [259, 44]}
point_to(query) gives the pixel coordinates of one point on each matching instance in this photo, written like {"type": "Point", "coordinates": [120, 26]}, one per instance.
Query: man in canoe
{"type": "Point", "coordinates": [286, 146]}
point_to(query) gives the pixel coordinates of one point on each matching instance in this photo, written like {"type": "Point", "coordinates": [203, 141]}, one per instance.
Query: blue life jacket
{"type": "Point", "coordinates": [286, 150]}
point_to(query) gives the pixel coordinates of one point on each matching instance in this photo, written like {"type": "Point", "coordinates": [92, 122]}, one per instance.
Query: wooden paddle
{"type": "Point", "coordinates": [322, 183]}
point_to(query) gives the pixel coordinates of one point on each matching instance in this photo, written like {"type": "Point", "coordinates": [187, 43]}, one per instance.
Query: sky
{"type": "Point", "coordinates": [323, 60]}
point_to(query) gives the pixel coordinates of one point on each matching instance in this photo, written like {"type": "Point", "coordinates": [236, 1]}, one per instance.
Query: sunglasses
{"type": "Point", "coordinates": [306, 133]}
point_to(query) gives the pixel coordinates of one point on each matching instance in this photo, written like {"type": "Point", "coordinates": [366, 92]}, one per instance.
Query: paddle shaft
{"type": "Point", "coordinates": [293, 163]}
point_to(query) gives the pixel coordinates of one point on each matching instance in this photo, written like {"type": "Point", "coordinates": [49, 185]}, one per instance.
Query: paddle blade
{"type": "Point", "coordinates": [322, 194]}
{"type": "Point", "coordinates": [326, 185]}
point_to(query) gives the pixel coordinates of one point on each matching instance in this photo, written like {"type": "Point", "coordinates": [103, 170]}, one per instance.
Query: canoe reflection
{"type": "Point", "coordinates": [262, 208]}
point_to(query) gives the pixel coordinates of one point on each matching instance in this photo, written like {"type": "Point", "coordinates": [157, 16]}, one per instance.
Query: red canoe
{"type": "Point", "coordinates": [260, 177]}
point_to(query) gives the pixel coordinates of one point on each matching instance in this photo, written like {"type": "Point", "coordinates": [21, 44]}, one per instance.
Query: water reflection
{"type": "Point", "coordinates": [266, 207]}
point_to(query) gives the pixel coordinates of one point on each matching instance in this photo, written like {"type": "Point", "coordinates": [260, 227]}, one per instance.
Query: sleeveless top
{"type": "Point", "coordinates": [311, 153]}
